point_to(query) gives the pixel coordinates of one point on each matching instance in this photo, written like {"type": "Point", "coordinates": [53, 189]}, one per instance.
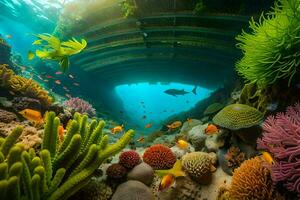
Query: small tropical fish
{"type": "Point", "coordinates": [32, 115]}
{"type": "Point", "coordinates": [76, 84]}
{"type": "Point", "coordinates": [141, 139]}
{"type": "Point", "coordinates": [8, 36]}
{"type": "Point", "coordinates": [30, 55]}
{"type": "Point", "coordinates": [267, 156]}
{"type": "Point", "coordinates": [148, 125]}
{"type": "Point", "coordinates": [46, 80]}
{"type": "Point", "coordinates": [65, 88]}
{"type": "Point", "coordinates": [69, 96]}
{"type": "Point", "coordinates": [48, 76]}
{"type": "Point", "coordinates": [117, 129]}
{"type": "Point", "coordinates": [182, 144]}
{"type": "Point", "coordinates": [211, 129]}
{"type": "Point", "coordinates": [166, 182]}
{"type": "Point", "coordinates": [189, 120]}
{"type": "Point", "coordinates": [57, 73]}
{"type": "Point", "coordinates": [144, 117]}
{"type": "Point", "coordinates": [71, 76]}
{"type": "Point", "coordinates": [39, 76]}
{"type": "Point", "coordinates": [58, 82]}
{"type": "Point", "coordinates": [61, 132]}
{"type": "Point", "coordinates": [174, 125]}
{"type": "Point", "coordinates": [37, 42]}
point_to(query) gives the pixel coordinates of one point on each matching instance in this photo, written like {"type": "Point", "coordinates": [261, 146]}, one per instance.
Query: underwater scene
{"type": "Point", "coordinates": [150, 100]}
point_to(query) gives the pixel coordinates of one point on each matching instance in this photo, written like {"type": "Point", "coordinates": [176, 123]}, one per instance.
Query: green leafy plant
{"type": "Point", "coordinates": [60, 168]}
{"type": "Point", "coordinates": [271, 51]}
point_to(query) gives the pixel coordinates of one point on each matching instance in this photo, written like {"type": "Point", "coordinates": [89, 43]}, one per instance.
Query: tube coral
{"type": "Point", "coordinates": [271, 52]}
{"type": "Point", "coordinates": [81, 106]}
{"type": "Point", "coordinates": [281, 138]}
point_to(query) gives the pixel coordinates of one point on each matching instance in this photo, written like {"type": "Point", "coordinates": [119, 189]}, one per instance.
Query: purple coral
{"type": "Point", "coordinates": [81, 106]}
{"type": "Point", "coordinates": [281, 138]}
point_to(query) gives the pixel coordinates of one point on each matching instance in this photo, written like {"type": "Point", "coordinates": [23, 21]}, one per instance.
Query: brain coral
{"type": "Point", "coordinates": [281, 137]}
{"type": "Point", "coordinates": [238, 116]}
{"type": "Point", "coordinates": [252, 180]}
{"type": "Point", "coordinates": [159, 157]}
{"type": "Point", "coordinates": [198, 165]}
{"type": "Point", "coordinates": [116, 171]}
{"type": "Point", "coordinates": [129, 159]}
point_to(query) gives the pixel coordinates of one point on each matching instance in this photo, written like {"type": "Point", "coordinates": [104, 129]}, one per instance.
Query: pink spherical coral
{"type": "Point", "coordinates": [129, 159]}
{"type": "Point", "coordinates": [81, 106]}
{"type": "Point", "coordinates": [159, 157]}
{"type": "Point", "coordinates": [281, 138]}
{"type": "Point", "coordinates": [116, 171]}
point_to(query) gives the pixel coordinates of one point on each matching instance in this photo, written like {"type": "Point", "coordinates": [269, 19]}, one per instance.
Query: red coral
{"type": "Point", "coordinates": [159, 157]}
{"type": "Point", "coordinates": [129, 159]}
{"type": "Point", "coordinates": [281, 138]}
{"type": "Point", "coordinates": [116, 171]}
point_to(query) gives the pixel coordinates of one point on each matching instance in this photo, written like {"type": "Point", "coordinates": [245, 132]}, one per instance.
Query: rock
{"type": "Point", "coordinates": [21, 103]}
{"type": "Point", "coordinates": [188, 125]}
{"type": "Point", "coordinates": [181, 152]}
{"type": "Point", "coordinates": [5, 102]}
{"type": "Point", "coordinates": [197, 137]}
{"type": "Point", "coordinates": [133, 190]}
{"type": "Point", "coordinates": [213, 142]}
{"type": "Point", "coordinates": [6, 116]}
{"type": "Point", "coordinates": [142, 172]}
{"type": "Point", "coordinates": [223, 162]}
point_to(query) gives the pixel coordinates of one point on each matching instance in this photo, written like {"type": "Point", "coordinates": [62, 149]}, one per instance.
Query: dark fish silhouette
{"type": "Point", "coordinates": [176, 92]}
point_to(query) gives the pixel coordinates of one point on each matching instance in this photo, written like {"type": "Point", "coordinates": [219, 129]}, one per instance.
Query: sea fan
{"type": "Point", "coordinates": [281, 138]}
{"type": "Point", "coordinates": [81, 106]}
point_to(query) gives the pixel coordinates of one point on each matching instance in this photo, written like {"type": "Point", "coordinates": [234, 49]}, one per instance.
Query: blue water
{"type": "Point", "coordinates": [147, 103]}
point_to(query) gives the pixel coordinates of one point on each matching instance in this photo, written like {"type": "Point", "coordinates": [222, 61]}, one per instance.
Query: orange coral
{"type": "Point", "coordinates": [252, 180]}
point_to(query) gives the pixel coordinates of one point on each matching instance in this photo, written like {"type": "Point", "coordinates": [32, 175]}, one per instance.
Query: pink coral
{"type": "Point", "coordinates": [81, 106]}
{"type": "Point", "coordinates": [281, 138]}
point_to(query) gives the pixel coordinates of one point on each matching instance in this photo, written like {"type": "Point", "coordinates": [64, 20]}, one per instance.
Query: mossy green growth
{"type": "Point", "coordinates": [238, 116]}
{"type": "Point", "coordinates": [129, 8]}
{"type": "Point", "coordinates": [60, 168]}
{"type": "Point", "coordinates": [271, 51]}
{"type": "Point", "coordinates": [213, 108]}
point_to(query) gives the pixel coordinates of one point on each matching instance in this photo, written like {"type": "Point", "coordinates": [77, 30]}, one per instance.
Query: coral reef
{"type": "Point", "coordinates": [131, 190]}
{"type": "Point", "coordinates": [129, 159]}
{"type": "Point", "coordinates": [159, 157]}
{"type": "Point", "coordinates": [238, 116]}
{"type": "Point", "coordinates": [94, 190]}
{"type": "Point", "coordinates": [23, 86]}
{"type": "Point", "coordinates": [281, 137]}
{"type": "Point", "coordinates": [59, 169]}
{"type": "Point", "coordinates": [81, 106]}
{"type": "Point", "coordinates": [6, 116]}
{"type": "Point", "coordinates": [199, 166]}
{"type": "Point", "coordinates": [234, 157]}
{"type": "Point", "coordinates": [213, 108]}
{"type": "Point", "coordinates": [252, 180]}
{"type": "Point", "coordinates": [116, 171]}
{"type": "Point", "coordinates": [142, 172]}
{"type": "Point", "coordinates": [21, 103]}
{"type": "Point", "coordinates": [271, 52]}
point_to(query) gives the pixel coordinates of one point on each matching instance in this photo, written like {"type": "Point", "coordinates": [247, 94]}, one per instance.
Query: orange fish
{"type": "Point", "coordinates": [57, 73]}
{"type": "Point", "coordinates": [267, 156]}
{"type": "Point", "coordinates": [58, 82]}
{"type": "Point", "coordinates": [182, 144]}
{"type": "Point", "coordinates": [174, 125]}
{"type": "Point", "coordinates": [117, 129]}
{"type": "Point", "coordinates": [32, 115]}
{"type": "Point", "coordinates": [141, 139]}
{"type": "Point", "coordinates": [61, 132]}
{"type": "Point", "coordinates": [166, 182]}
{"type": "Point", "coordinates": [211, 129]}
{"type": "Point", "coordinates": [148, 125]}
{"type": "Point", "coordinates": [76, 84]}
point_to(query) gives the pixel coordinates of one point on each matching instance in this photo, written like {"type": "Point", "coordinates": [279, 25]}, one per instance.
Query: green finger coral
{"type": "Point", "coordinates": [271, 51]}
{"type": "Point", "coordinates": [61, 168]}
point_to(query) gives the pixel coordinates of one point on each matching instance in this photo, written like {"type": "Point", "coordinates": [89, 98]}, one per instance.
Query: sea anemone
{"type": "Point", "coordinates": [81, 106]}
{"type": "Point", "coordinates": [116, 171]}
{"type": "Point", "coordinates": [252, 181]}
{"type": "Point", "coordinates": [281, 138]}
{"type": "Point", "coordinates": [159, 157]}
{"type": "Point", "coordinates": [129, 159]}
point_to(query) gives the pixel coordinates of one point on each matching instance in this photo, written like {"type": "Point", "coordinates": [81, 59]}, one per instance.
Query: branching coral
{"type": "Point", "coordinates": [159, 157]}
{"type": "Point", "coordinates": [23, 86]}
{"type": "Point", "coordinates": [281, 138]}
{"type": "Point", "coordinates": [81, 106]}
{"type": "Point", "coordinates": [60, 169]}
{"type": "Point", "coordinates": [271, 52]}
{"type": "Point", "coordinates": [252, 181]}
